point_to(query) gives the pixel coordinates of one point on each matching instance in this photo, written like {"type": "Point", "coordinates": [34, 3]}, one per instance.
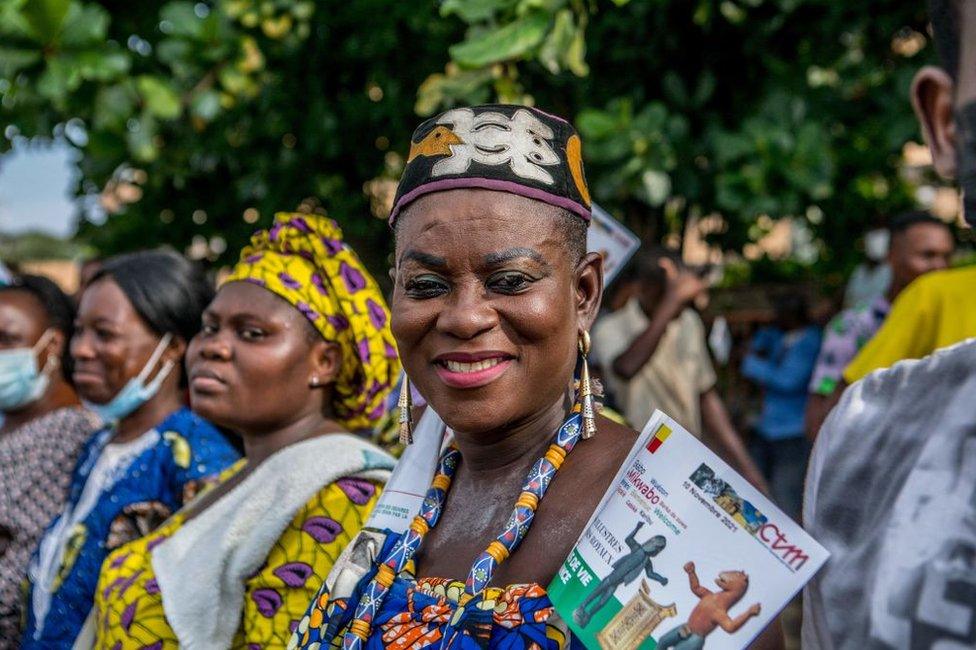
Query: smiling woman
{"type": "Point", "coordinates": [494, 295]}
{"type": "Point", "coordinates": [152, 455]}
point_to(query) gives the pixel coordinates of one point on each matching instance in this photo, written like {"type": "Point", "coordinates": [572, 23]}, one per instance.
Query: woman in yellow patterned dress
{"type": "Point", "coordinates": [295, 350]}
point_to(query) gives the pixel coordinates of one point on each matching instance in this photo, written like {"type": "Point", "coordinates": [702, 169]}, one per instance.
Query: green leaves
{"type": "Point", "coordinates": [159, 97]}
{"type": "Point", "coordinates": [509, 42]}
{"type": "Point", "coordinates": [454, 86]}
{"type": "Point", "coordinates": [473, 11]}
{"type": "Point", "coordinates": [565, 46]}
{"type": "Point", "coordinates": [45, 18]}
{"type": "Point", "coordinates": [641, 149]}
{"type": "Point", "coordinates": [736, 108]}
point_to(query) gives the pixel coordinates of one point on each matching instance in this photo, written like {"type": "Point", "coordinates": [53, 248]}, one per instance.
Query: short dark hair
{"type": "Point", "coordinates": [574, 231]}
{"type": "Point", "coordinates": [906, 220]}
{"type": "Point", "coordinates": [57, 306]}
{"type": "Point", "coordinates": [645, 266]}
{"type": "Point", "coordinates": [168, 291]}
{"type": "Point", "coordinates": [944, 15]}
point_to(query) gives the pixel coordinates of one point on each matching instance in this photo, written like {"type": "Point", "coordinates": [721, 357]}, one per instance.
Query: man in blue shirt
{"type": "Point", "coordinates": [780, 360]}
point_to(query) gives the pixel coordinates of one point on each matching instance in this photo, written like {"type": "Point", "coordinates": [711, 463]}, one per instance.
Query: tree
{"type": "Point", "coordinates": [212, 114]}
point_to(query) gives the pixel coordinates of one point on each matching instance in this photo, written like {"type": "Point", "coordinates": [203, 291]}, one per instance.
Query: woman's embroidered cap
{"type": "Point", "coordinates": [502, 147]}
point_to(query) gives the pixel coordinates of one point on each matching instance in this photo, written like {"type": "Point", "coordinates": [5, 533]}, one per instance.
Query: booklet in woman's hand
{"type": "Point", "coordinates": [682, 553]}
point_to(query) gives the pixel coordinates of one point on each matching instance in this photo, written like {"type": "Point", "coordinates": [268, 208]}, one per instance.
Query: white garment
{"type": "Point", "coordinates": [205, 565]}
{"type": "Point", "coordinates": [672, 380]}
{"type": "Point", "coordinates": [396, 507]}
{"type": "Point", "coordinates": [111, 465]}
{"type": "Point", "coordinates": [891, 493]}
{"type": "Point", "coordinates": [866, 283]}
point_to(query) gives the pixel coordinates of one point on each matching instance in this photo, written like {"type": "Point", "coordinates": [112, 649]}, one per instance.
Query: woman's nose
{"type": "Point", "coordinates": [81, 346]}
{"type": "Point", "coordinates": [467, 314]}
{"type": "Point", "coordinates": [214, 347]}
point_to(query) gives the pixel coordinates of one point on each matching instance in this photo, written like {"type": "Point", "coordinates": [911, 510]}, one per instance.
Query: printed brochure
{"type": "Point", "coordinates": [682, 553]}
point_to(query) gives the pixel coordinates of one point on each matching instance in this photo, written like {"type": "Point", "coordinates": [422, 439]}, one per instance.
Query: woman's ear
{"type": "Point", "coordinates": [589, 289]}
{"type": "Point", "coordinates": [932, 91]}
{"type": "Point", "coordinates": [325, 360]}
{"type": "Point", "coordinates": [53, 349]}
{"type": "Point", "coordinates": [175, 351]}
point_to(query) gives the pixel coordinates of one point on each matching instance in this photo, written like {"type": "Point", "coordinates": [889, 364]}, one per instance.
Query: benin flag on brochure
{"type": "Point", "coordinates": [660, 436]}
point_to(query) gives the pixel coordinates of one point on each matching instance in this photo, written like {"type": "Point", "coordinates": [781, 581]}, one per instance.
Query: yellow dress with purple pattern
{"type": "Point", "coordinates": [129, 605]}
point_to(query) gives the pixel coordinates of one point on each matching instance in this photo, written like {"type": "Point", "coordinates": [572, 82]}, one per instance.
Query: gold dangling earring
{"type": "Point", "coordinates": [405, 404]}
{"type": "Point", "coordinates": [586, 389]}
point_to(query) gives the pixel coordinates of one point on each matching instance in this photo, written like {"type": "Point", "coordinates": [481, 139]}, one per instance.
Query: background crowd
{"type": "Point", "coordinates": [166, 377]}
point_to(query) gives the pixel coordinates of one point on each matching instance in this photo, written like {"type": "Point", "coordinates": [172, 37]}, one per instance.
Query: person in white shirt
{"type": "Point", "coordinates": [891, 487]}
{"type": "Point", "coordinates": [652, 352]}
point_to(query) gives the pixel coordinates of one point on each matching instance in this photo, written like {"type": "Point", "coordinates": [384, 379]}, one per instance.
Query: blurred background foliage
{"type": "Point", "coordinates": [196, 121]}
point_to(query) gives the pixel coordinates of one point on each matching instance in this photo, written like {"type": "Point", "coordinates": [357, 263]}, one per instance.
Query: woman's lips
{"type": "Point", "coordinates": [87, 378]}
{"type": "Point", "coordinates": [206, 383]}
{"type": "Point", "coordinates": [471, 374]}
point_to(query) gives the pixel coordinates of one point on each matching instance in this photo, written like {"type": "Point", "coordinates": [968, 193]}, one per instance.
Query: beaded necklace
{"type": "Point", "coordinates": [534, 488]}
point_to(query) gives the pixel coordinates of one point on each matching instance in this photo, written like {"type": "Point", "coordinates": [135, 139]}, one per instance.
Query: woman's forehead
{"type": "Point", "coordinates": [246, 298]}
{"type": "Point", "coordinates": [478, 221]}
{"type": "Point", "coordinates": [22, 305]}
{"type": "Point", "coordinates": [104, 299]}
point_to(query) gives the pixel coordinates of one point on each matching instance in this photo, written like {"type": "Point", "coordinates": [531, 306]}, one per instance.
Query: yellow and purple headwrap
{"type": "Point", "coordinates": [303, 259]}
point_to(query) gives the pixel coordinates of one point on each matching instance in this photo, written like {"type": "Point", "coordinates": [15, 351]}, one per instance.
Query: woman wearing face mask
{"type": "Point", "coordinates": [43, 428]}
{"type": "Point", "coordinates": [134, 321]}
{"type": "Point", "coordinates": [295, 350]}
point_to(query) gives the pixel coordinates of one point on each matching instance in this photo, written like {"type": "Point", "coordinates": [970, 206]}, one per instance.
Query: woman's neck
{"type": "Point", "coordinates": [58, 395]}
{"type": "Point", "coordinates": [258, 445]}
{"type": "Point", "coordinates": [150, 414]}
{"type": "Point", "coordinates": [517, 443]}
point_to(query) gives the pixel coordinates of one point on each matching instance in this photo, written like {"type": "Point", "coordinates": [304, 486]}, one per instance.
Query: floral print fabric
{"type": "Point", "coordinates": [416, 613]}
{"type": "Point", "coordinates": [35, 471]}
{"type": "Point", "coordinates": [186, 451]}
{"type": "Point", "coordinates": [129, 605]}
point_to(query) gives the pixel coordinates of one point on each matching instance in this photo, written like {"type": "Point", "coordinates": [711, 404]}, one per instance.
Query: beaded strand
{"type": "Point", "coordinates": [497, 551]}
{"type": "Point", "coordinates": [518, 524]}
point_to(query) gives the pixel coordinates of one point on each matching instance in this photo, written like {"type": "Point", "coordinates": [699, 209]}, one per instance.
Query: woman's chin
{"type": "Point", "coordinates": [210, 409]}
{"type": "Point", "coordinates": [473, 416]}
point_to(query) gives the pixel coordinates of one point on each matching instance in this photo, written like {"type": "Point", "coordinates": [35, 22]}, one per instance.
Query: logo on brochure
{"type": "Point", "coordinates": [660, 436]}
{"type": "Point", "coordinates": [748, 517]}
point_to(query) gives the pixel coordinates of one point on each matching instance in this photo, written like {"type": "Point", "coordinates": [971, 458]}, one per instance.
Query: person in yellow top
{"type": "Point", "coordinates": [935, 311]}
{"type": "Point", "coordinates": [295, 351]}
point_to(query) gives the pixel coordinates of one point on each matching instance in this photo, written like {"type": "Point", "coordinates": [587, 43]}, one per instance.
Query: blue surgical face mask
{"type": "Point", "coordinates": [21, 380]}
{"type": "Point", "coordinates": [136, 391]}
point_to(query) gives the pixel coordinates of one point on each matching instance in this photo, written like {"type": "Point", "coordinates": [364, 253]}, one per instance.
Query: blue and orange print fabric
{"type": "Point", "coordinates": [186, 453]}
{"type": "Point", "coordinates": [436, 613]}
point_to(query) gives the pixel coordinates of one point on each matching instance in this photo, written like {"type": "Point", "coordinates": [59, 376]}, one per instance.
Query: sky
{"type": "Point", "coordinates": [36, 184]}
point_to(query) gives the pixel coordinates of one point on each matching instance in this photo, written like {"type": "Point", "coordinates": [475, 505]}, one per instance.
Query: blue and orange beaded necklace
{"type": "Point", "coordinates": [533, 490]}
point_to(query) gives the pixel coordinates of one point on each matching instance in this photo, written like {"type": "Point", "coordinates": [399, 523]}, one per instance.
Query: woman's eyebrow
{"type": "Point", "coordinates": [496, 259]}
{"type": "Point", "coordinates": [423, 258]}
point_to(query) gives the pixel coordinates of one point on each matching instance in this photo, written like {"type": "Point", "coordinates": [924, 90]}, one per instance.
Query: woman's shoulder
{"type": "Point", "coordinates": [590, 469]}
{"type": "Point", "coordinates": [195, 444]}
{"type": "Point", "coordinates": [334, 514]}
{"type": "Point", "coordinates": [74, 421]}
{"type": "Point", "coordinates": [59, 434]}
{"type": "Point", "coordinates": [189, 425]}
{"type": "Point", "coordinates": [616, 440]}
{"type": "Point", "coordinates": [74, 417]}
{"type": "Point", "coordinates": [348, 492]}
